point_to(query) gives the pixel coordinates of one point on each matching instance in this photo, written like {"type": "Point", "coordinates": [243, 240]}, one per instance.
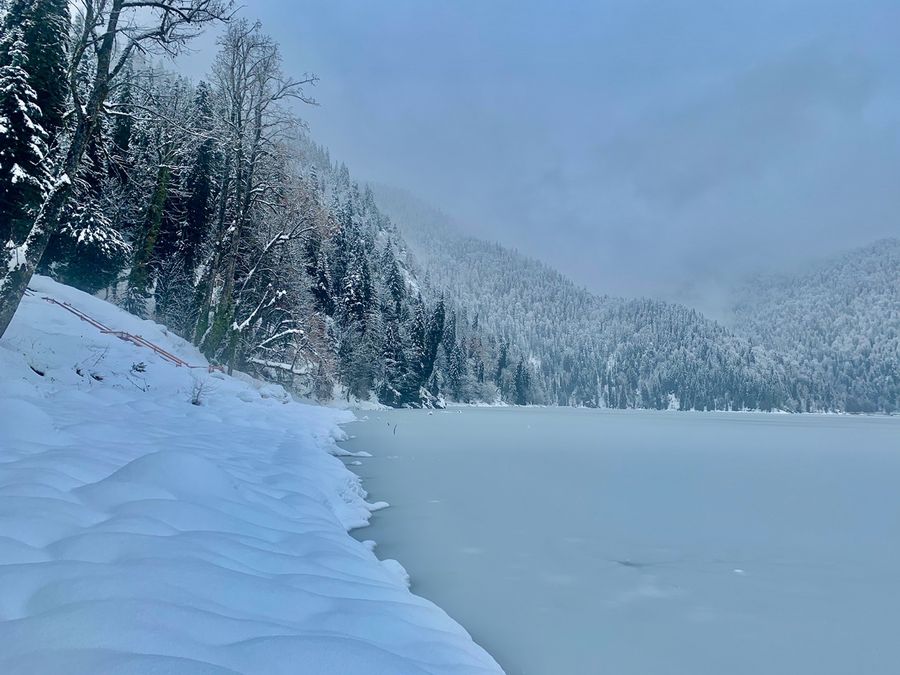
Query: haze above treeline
{"type": "Point", "coordinates": [647, 148]}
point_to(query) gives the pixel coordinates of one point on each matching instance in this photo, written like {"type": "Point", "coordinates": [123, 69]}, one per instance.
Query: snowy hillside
{"type": "Point", "coordinates": [838, 322]}
{"type": "Point", "coordinates": [140, 533]}
{"type": "Point", "coordinates": [592, 350]}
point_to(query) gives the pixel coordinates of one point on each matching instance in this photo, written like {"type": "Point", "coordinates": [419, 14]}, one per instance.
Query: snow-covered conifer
{"type": "Point", "coordinates": [24, 171]}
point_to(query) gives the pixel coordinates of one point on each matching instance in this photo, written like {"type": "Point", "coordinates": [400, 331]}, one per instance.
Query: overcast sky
{"type": "Point", "coordinates": [640, 146]}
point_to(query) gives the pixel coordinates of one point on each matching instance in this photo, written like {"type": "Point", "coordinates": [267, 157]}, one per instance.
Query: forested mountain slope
{"type": "Point", "coordinates": [390, 332]}
{"type": "Point", "coordinates": [201, 205]}
{"type": "Point", "coordinates": [838, 324]}
{"type": "Point", "coordinates": [590, 350]}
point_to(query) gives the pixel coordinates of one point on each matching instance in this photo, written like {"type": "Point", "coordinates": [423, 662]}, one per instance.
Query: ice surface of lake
{"type": "Point", "coordinates": [641, 543]}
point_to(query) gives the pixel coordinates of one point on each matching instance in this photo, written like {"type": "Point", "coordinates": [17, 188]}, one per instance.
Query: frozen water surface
{"type": "Point", "coordinates": [648, 543]}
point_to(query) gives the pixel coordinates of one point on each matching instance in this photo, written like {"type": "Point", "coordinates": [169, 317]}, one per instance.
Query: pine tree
{"type": "Point", "coordinates": [502, 362]}
{"type": "Point", "coordinates": [415, 351]}
{"type": "Point", "coordinates": [199, 182]}
{"type": "Point", "coordinates": [459, 379]}
{"type": "Point", "coordinates": [433, 335]}
{"type": "Point", "coordinates": [139, 280]}
{"type": "Point", "coordinates": [394, 282]}
{"type": "Point", "coordinates": [164, 138]}
{"type": "Point", "coordinates": [122, 127]}
{"type": "Point", "coordinates": [88, 253]}
{"type": "Point", "coordinates": [321, 288]}
{"type": "Point", "coordinates": [24, 173]}
{"type": "Point", "coordinates": [356, 291]}
{"type": "Point", "coordinates": [394, 370]}
{"type": "Point", "coordinates": [522, 383]}
{"type": "Point", "coordinates": [44, 29]}
{"type": "Point", "coordinates": [89, 248]}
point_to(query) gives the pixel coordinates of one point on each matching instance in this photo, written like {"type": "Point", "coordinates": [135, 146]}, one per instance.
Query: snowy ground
{"type": "Point", "coordinates": [140, 533]}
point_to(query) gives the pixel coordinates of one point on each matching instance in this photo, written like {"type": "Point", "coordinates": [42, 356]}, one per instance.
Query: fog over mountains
{"type": "Point", "coordinates": [204, 205]}
{"type": "Point", "coordinates": [825, 339]}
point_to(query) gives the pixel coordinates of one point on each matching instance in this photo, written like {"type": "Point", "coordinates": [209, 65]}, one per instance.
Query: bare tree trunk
{"type": "Point", "coordinates": [204, 318]}
{"type": "Point", "coordinates": [139, 278]}
{"type": "Point", "coordinates": [14, 284]}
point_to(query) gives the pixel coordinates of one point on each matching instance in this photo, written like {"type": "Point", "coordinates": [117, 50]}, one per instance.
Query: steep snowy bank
{"type": "Point", "coordinates": [141, 533]}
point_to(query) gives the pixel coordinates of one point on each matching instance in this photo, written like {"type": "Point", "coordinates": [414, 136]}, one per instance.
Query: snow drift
{"type": "Point", "coordinates": [142, 533]}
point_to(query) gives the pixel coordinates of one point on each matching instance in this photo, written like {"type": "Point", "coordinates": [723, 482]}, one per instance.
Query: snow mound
{"type": "Point", "coordinates": [142, 534]}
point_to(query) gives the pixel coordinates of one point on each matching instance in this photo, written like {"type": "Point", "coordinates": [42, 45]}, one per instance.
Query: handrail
{"type": "Point", "coordinates": [126, 337]}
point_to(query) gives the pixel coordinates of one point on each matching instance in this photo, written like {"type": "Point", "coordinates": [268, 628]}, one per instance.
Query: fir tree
{"type": "Point", "coordinates": [522, 383]}
{"type": "Point", "coordinates": [44, 28]}
{"type": "Point", "coordinates": [122, 127]}
{"type": "Point", "coordinates": [199, 182]}
{"type": "Point", "coordinates": [433, 336]}
{"type": "Point", "coordinates": [88, 253]}
{"type": "Point", "coordinates": [502, 362]}
{"type": "Point", "coordinates": [395, 284]}
{"type": "Point", "coordinates": [24, 174]}
{"type": "Point", "coordinates": [321, 287]}
{"type": "Point", "coordinates": [392, 387]}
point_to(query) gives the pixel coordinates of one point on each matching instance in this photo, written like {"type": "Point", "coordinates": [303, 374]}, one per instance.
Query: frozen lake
{"type": "Point", "coordinates": [642, 543]}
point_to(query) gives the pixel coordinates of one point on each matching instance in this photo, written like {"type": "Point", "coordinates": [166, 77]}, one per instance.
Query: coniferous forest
{"type": "Point", "coordinates": [208, 207]}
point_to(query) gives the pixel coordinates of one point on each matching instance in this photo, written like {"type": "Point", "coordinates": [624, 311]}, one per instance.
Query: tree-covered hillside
{"type": "Point", "coordinates": [838, 325]}
{"type": "Point", "coordinates": [207, 207]}
{"type": "Point", "coordinates": [590, 350]}
{"type": "Point", "coordinates": [204, 206]}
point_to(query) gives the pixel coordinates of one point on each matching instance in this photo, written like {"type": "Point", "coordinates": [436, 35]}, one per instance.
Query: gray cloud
{"type": "Point", "coordinates": [740, 130]}
{"type": "Point", "coordinates": [642, 146]}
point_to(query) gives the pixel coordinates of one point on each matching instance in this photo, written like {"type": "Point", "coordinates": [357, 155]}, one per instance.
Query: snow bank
{"type": "Point", "coordinates": [142, 534]}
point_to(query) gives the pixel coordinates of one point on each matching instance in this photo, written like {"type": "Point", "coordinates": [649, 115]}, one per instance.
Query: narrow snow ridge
{"type": "Point", "coordinates": [142, 534]}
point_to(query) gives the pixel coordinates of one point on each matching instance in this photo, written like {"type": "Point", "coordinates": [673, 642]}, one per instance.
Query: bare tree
{"type": "Point", "coordinates": [109, 32]}
{"type": "Point", "coordinates": [271, 310]}
{"type": "Point", "coordinates": [253, 90]}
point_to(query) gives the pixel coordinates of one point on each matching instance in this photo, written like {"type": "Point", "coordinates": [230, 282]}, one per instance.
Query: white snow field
{"type": "Point", "coordinates": [142, 534]}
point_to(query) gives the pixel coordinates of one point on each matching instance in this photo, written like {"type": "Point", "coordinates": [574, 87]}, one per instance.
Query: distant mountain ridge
{"type": "Point", "coordinates": [837, 323]}
{"type": "Point", "coordinates": [594, 350]}
{"type": "Point", "coordinates": [824, 339]}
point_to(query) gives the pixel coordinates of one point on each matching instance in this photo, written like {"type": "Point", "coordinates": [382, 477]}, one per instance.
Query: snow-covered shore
{"type": "Point", "coordinates": [140, 533]}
